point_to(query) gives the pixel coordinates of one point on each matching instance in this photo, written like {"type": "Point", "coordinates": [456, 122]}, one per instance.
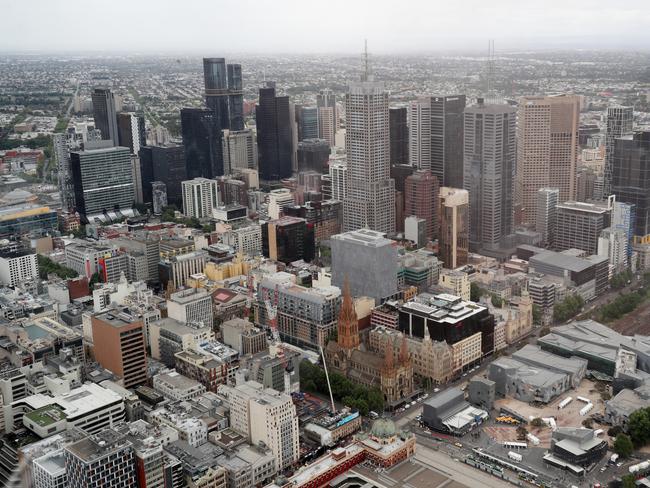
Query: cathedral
{"type": "Point", "coordinates": [389, 372]}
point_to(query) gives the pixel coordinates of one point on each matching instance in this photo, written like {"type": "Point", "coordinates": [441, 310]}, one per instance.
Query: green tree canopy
{"type": "Point", "coordinates": [623, 446]}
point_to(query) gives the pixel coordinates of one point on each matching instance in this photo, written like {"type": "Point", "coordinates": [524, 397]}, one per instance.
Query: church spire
{"type": "Point", "coordinates": [404, 357]}
{"type": "Point", "coordinates": [348, 325]}
{"type": "Point", "coordinates": [389, 360]}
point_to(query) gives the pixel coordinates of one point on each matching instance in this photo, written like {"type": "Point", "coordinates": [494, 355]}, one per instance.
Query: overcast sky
{"type": "Point", "coordinates": [324, 26]}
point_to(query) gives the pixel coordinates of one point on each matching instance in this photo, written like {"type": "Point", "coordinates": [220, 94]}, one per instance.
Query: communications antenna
{"type": "Point", "coordinates": [366, 63]}
{"type": "Point", "coordinates": [490, 92]}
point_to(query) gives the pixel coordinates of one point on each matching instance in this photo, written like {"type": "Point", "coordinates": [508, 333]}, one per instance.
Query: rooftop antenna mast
{"type": "Point", "coordinates": [490, 94]}
{"type": "Point", "coordinates": [366, 63]}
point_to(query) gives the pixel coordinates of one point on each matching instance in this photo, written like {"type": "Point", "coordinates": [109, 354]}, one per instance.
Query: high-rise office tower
{"type": "Point", "coordinates": [436, 137]}
{"type": "Point", "coordinates": [421, 200]}
{"type": "Point", "coordinates": [547, 202]}
{"type": "Point", "coordinates": [370, 199]}
{"type": "Point", "coordinates": [307, 122]}
{"type": "Point", "coordinates": [223, 92]}
{"type": "Point", "coordinates": [239, 150]}
{"type": "Point", "coordinates": [547, 150]}
{"type": "Point", "coordinates": [489, 159]}
{"type": "Point", "coordinates": [120, 346]}
{"type": "Point", "coordinates": [631, 179]}
{"type": "Point", "coordinates": [453, 238]}
{"type": "Point", "coordinates": [202, 142]}
{"type": "Point", "coordinates": [130, 130]}
{"type": "Point", "coordinates": [399, 136]}
{"type": "Point", "coordinates": [328, 119]}
{"type": "Point", "coordinates": [620, 121]}
{"type": "Point", "coordinates": [105, 114]}
{"type": "Point", "coordinates": [102, 180]}
{"type": "Point", "coordinates": [275, 138]}
{"type": "Point", "coordinates": [165, 164]}
{"type": "Point", "coordinates": [200, 197]}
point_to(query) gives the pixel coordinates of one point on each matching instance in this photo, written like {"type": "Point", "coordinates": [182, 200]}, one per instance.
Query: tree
{"type": "Point", "coordinates": [638, 426]}
{"type": "Point", "coordinates": [614, 430]}
{"type": "Point", "coordinates": [537, 422]}
{"type": "Point", "coordinates": [94, 279]}
{"type": "Point", "coordinates": [588, 423]}
{"type": "Point", "coordinates": [568, 308]}
{"type": "Point", "coordinates": [537, 314]}
{"type": "Point", "coordinates": [46, 266]}
{"type": "Point", "coordinates": [628, 481]}
{"type": "Point", "coordinates": [623, 446]}
{"type": "Point", "coordinates": [475, 292]}
{"type": "Point", "coordinates": [497, 301]}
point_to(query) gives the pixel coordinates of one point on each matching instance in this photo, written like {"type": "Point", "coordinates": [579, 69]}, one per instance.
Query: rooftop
{"type": "Point", "coordinates": [365, 237]}
{"type": "Point", "coordinates": [443, 307]}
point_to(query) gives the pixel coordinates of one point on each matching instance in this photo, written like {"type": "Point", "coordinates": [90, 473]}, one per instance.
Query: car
{"type": "Point", "coordinates": [435, 390]}
{"type": "Point", "coordinates": [458, 444]}
{"type": "Point", "coordinates": [619, 464]}
{"type": "Point", "coordinates": [602, 470]}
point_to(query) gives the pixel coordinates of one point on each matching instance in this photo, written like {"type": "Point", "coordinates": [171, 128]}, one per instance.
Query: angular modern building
{"type": "Point", "coordinates": [307, 122]}
{"type": "Point", "coordinates": [547, 150]}
{"type": "Point", "coordinates": [202, 142]}
{"type": "Point", "coordinates": [631, 180]}
{"type": "Point", "coordinates": [223, 92]}
{"type": "Point", "coordinates": [620, 123]}
{"type": "Point", "coordinates": [436, 137]}
{"type": "Point", "coordinates": [489, 155]}
{"type": "Point", "coordinates": [466, 326]}
{"type": "Point", "coordinates": [105, 114]}
{"type": "Point", "coordinates": [370, 199]}
{"type": "Point", "coordinates": [275, 138]}
{"type": "Point", "coordinates": [103, 181]}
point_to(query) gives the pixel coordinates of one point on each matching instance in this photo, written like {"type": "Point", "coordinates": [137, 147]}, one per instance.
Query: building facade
{"type": "Point", "coordinates": [370, 198]}
{"type": "Point", "coordinates": [453, 238]}
{"type": "Point", "coordinates": [547, 150]}
{"type": "Point", "coordinates": [489, 154]}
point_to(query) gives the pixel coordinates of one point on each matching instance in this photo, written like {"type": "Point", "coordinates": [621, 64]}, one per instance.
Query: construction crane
{"type": "Point", "coordinates": [271, 304]}
{"type": "Point", "coordinates": [249, 298]}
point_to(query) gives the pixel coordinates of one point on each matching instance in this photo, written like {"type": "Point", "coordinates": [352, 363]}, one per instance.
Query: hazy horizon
{"type": "Point", "coordinates": [252, 27]}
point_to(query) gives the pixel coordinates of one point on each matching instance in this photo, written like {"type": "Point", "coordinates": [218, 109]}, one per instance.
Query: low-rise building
{"type": "Point", "coordinates": [447, 411]}
{"type": "Point", "coordinates": [175, 386]}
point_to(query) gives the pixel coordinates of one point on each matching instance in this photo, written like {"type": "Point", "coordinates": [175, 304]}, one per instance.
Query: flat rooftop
{"type": "Point", "coordinates": [443, 307]}
{"type": "Point", "coordinates": [365, 237]}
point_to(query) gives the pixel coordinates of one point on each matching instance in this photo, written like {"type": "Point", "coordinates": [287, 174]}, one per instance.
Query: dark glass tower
{"type": "Point", "coordinates": [165, 164]}
{"type": "Point", "coordinates": [274, 135]}
{"type": "Point", "coordinates": [447, 139]}
{"type": "Point", "coordinates": [399, 136]}
{"type": "Point", "coordinates": [631, 178]}
{"type": "Point", "coordinates": [130, 129]}
{"type": "Point", "coordinates": [202, 142]}
{"type": "Point", "coordinates": [105, 114]}
{"type": "Point", "coordinates": [223, 92]}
